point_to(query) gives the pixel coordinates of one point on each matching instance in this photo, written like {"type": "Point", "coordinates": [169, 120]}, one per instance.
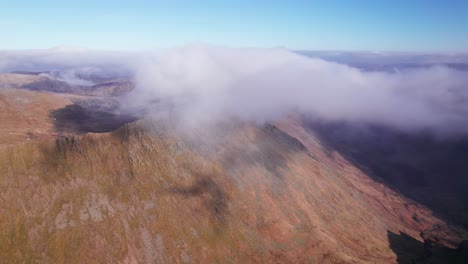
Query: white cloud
{"type": "Point", "coordinates": [209, 82]}
{"type": "Point", "coordinates": [262, 84]}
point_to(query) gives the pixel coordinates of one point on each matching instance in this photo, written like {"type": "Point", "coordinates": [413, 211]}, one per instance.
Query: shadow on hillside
{"type": "Point", "coordinates": [269, 149]}
{"type": "Point", "coordinates": [79, 119]}
{"type": "Point", "coordinates": [411, 251]}
{"type": "Point", "coordinates": [433, 172]}
{"type": "Point", "coordinates": [215, 200]}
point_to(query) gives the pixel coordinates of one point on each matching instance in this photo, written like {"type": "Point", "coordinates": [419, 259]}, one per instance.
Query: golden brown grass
{"type": "Point", "coordinates": [24, 115]}
{"type": "Point", "coordinates": [136, 196]}
{"type": "Point", "coordinates": [90, 198]}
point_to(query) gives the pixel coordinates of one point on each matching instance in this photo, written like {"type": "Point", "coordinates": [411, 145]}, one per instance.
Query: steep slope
{"type": "Point", "coordinates": [235, 192]}
{"type": "Point", "coordinates": [430, 169]}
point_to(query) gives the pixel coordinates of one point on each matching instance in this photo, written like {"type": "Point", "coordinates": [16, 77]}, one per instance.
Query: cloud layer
{"type": "Point", "coordinates": [261, 84]}
{"type": "Point", "coordinates": [208, 83]}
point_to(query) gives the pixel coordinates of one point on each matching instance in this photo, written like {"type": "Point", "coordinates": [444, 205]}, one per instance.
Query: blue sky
{"type": "Point", "coordinates": [412, 25]}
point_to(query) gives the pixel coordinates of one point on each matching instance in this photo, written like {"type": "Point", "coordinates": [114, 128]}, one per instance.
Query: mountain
{"type": "Point", "coordinates": [82, 182]}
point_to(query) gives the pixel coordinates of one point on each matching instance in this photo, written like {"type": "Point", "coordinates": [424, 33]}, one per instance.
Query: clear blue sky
{"type": "Point", "coordinates": [411, 25]}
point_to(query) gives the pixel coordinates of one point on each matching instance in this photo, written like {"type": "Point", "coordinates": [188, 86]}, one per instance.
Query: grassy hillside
{"type": "Point", "coordinates": [145, 193]}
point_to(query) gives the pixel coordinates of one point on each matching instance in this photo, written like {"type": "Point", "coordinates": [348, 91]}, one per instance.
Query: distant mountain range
{"type": "Point", "coordinates": [391, 61]}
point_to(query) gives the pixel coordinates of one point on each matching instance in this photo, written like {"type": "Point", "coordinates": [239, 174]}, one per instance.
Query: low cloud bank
{"type": "Point", "coordinates": [209, 83]}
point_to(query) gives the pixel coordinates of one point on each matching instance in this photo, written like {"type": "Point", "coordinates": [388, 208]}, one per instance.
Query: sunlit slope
{"type": "Point", "coordinates": [144, 193]}
{"type": "Point", "coordinates": [25, 115]}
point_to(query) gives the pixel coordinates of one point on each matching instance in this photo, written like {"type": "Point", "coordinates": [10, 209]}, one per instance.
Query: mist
{"type": "Point", "coordinates": [209, 83]}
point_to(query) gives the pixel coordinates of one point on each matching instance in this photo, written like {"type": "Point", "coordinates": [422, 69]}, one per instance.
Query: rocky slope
{"type": "Point", "coordinates": [148, 191]}
{"type": "Point", "coordinates": [247, 193]}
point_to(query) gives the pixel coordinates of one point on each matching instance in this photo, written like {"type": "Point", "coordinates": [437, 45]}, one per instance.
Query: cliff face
{"type": "Point", "coordinates": [244, 193]}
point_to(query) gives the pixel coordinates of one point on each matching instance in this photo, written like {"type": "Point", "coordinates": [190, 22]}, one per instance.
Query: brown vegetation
{"type": "Point", "coordinates": [236, 193]}
{"type": "Point", "coordinates": [25, 115]}
{"type": "Point", "coordinates": [145, 194]}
